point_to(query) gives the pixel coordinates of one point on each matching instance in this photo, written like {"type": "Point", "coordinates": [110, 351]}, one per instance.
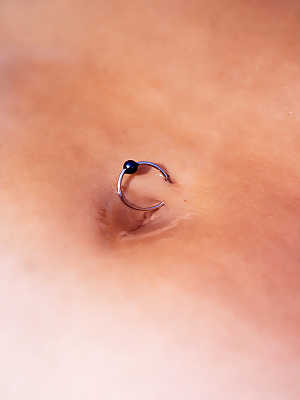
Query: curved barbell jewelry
{"type": "Point", "coordinates": [130, 167]}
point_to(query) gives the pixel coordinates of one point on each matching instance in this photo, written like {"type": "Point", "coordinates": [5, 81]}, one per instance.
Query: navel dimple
{"type": "Point", "coordinates": [118, 222]}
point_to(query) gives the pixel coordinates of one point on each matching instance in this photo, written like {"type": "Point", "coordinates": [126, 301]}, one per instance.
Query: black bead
{"type": "Point", "coordinates": [130, 166]}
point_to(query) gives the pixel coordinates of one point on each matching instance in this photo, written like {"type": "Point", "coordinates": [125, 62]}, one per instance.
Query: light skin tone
{"type": "Point", "coordinates": [199, 299]}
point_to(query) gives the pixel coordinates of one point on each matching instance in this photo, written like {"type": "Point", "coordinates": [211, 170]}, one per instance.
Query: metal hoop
{"type": "Point", "coordinates": [135, 166]}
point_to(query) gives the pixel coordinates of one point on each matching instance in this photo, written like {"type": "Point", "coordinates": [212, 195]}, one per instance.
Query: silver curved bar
{"type": "Point", "coordinates": [131, 205]}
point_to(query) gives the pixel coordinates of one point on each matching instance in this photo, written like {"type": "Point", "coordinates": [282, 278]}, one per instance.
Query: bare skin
{"type": "Point", "coordinates": [200, 299]}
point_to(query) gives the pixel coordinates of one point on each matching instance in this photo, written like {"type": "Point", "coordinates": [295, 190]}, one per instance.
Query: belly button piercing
{"type": "Point", "coordinates": [131, 167]}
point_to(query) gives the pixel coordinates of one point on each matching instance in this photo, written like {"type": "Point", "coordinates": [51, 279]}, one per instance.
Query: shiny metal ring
{"type": "Point", "coordinates": [130, 167]}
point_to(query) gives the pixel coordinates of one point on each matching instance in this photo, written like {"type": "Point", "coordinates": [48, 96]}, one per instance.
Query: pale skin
{"type": "Point", "coordinates": [199, 300]}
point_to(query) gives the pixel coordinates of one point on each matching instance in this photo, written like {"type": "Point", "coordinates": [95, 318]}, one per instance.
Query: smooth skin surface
{"type": "Point", "coordinates": [199, 300]}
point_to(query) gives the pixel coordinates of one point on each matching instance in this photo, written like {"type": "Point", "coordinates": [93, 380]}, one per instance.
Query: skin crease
{"type": "Point", "coordinates": [200, 299]}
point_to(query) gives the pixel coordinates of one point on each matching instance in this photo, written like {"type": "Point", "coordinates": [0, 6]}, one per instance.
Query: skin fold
{"type": "Point", "coordinates": [199, 299]}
